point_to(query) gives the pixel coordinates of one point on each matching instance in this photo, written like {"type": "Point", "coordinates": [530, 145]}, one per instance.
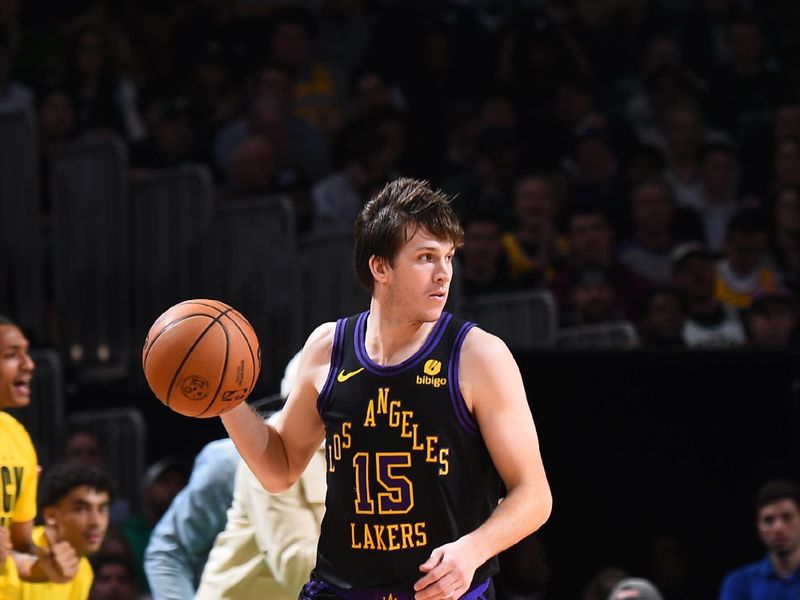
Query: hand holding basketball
{"type": "Point", "coordinates": [201, 358]}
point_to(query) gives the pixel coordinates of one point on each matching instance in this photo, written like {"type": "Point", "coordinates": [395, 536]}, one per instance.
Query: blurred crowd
{"type": "Point", "coordinates": [639, 159]}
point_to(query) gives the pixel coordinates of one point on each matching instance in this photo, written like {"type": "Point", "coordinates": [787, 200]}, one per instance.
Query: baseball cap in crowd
{"type": "Point", "coordinates": [687, 250]}
{"type": "Point", "coordinates": [764, 298]}
{"type": "Point", "coordinates": [635, 588]}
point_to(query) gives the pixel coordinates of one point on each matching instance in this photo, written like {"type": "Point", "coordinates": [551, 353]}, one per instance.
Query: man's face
{"type": "Point", "coordinates": [534, 205]}
{"type": "Point", "coordinates": [779, 527]}
{"type": "Point", "coordinates": [418, 279]}
{"type": "Point", "coordinates": [746, 250]}
{"type": "Point", "coordinates": [82, 518]}
{"type": "Point", "coordinates": [113, 581]}
{"type": "Point", "coordinates": [665, 315]}
{"type": "Point", "coordinates": [772, 325]}
{"type": "Point", "coordinates": [594, 302]}
{"type": "Point", "coordinates": [590, 239]}
{"type": "Point", "coordinates": [16, 368]}
{"type": "Point", "coordinates": [482, 245]}
{"type": "Point", "coordinates": [83, 448]}
{"type": "Point", "coordinates": [695, 279]}
{"type": "Point", "coordinates": [652, 208]}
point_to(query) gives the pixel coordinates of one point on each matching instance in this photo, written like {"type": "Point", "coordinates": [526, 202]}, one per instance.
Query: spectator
{"type": "Point", "coordinates": [593, 298]}
{"type": "Point", "coordinates": [744, 269]}
{"type": "Point", "coordinates": [777, 575]}
{"type": "Point", "coordinates": [18, 461]}
{"type": "Point", "coordinates": [161, 483]}
{"type": "Point", "coordinates": [114, 578]}
{"type": "Point", "coordinates": [484, 265]}
{"type": "Point", "coordinates": [634, 588]}
{"type": "Point", "coordinates": [269, 544]}
{"type": "Point", "coordinates": [171, 142]}
{"type": "Point", "coordinates": [14, 96]}
{"type": "Point", "coordinates": [534, 247]}
{"type": "Point", "coordinates": [772, 319]}
{"type": "Point", "coordinates": [709, 323]}
{"type": "Point", "coordinates": [662, 320]}
{"type": "Point", "coordinates": [75, 502]}
{"type": "Point", "coordinates": [105, 101]}
{"type": "Point", "coordinates": [648, 252]}
{"type": "Point", "coordinates": [718, 193]}
{"type": "Point", "coordinates": [590, 240]}
{"type": "Point", "coordinates": [179, 545]}
{"type": "Point", "coordinates": [784, 235]}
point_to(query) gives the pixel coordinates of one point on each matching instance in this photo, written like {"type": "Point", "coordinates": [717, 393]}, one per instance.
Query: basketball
{"type": "Point", "coordinates": [201, 358]}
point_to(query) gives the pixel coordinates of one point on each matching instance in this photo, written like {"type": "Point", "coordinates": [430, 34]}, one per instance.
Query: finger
{"type": "Point", "coordinates": [445, 587]}
{"type": "Point", "coordinates": [433, 576]}
{"type": "Point", "coordinates": [53, 532]}
{"type": "Point", "coordinates": [434, 559]}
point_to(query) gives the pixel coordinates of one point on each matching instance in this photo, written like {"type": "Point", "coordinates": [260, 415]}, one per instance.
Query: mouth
{"type": "Point", "coordinates": [440, 296]}
{"type": "Point", "coordinates": [92, 538]}
{"type": "Point", "coordinates": [22, 387]}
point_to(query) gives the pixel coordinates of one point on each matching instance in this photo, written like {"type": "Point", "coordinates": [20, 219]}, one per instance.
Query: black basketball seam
{"type": "Point", "coordinates": [224, 369]}
{"type": "Point", "coordinates": [191, 349]}
{"type": "Point", "coordinates": [249, 347]}
{"type": "Point", "coordinates": [206, 305]}
{"type": "Point", "coordinates": [169, 325]}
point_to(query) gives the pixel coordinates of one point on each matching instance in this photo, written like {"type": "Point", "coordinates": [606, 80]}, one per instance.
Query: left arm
{"type": "Point", "coordinates": [492, 388]}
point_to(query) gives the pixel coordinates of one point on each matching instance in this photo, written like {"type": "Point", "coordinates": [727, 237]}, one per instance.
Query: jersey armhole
{"type": "Point", "coordinates": [336, 359]}
{"type": "Point", "coordinates": [464, 417]}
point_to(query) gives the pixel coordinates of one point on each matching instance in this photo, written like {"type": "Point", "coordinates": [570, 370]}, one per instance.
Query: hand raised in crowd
{"type": "Point", "coordinates": [59, 560]}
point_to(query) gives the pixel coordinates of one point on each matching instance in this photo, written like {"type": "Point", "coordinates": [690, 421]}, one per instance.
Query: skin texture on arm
{"type": "Point", "coordinates": [278, 454]}
{"type": "Point", "coordinates": [492, 388]}
{"type": "Point", "coordinates": [287, 525]}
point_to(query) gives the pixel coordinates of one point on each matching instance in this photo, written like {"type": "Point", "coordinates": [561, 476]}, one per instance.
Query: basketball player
{"type": "Point", "coordinates": [18, 475]}
{"type": "Point", "coordinates": [423, 416]}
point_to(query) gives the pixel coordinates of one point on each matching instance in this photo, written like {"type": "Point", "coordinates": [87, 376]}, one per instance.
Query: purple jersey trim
{"type": "Point", "coordinates": [465, 419]}
{"type": "Point", "coordinates": [336, 360]}
{"type": "Point", "coordinates": [372, 367]}
{"type": "Point", "coordinates": [315, 588]}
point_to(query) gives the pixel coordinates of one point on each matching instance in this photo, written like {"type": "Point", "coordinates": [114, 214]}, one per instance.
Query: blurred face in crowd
{"type": "Point", "coordinates": [652, 208]}
{"type": "Point", "coordinates": [83, 448]}
{"type": "Point", "coordinates": [57, 116]}
{"type": "Point", "coordinates": [718, 173]}
{"type": "Point", "coordinates": [173, 136]}
{"type": "Point", "coordinates": [684, 131]}
{"type": "Point", "coordinates": [744, 42]}
{"type": "Point", "coordinates": [370, 94]}
{"type": "Point", "coordinates": [482, 246]}
{"type": "Point", "coordinates": [594, 302]}
{"type": "Point", "coordinates": [772, 324]}
{"type": "Point", "coordinates": [534, 205]}
{"type": "Point", "coordinates": [694, 279]}
{"type": "Point", "coordinates": [779, 527]}
{"type": "Point", "coordinates": [113, 581]}
{"type": "Point", "coordinates": [787, 211]}
{"type": "Point", "coordinates": [16, 368]}
{"type": "Point", "coordinates": [90, 56]}
{"type": "Point", "coordinates": [82, 517]}
{"type": "Point", "coordinates": [787, 121]}
{"type": "Point", "coordinates": [595, 160]}
{"type": "Point", "coordinates": [745, 250]}
{"type": "Point", "coordinates": [787, 162]}
{"type": "Point", "coordinates": [290, 43]}
{"type": "Point", "coordinates": [590, 238]}
{"type": "Point", "coordinates": [664, 316]}
{"type": "Point", "coordinates": [253, 166]}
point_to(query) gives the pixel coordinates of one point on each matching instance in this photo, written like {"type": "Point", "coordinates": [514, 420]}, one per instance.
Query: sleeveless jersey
{"type": "Point", "coordinates": [408, 470]}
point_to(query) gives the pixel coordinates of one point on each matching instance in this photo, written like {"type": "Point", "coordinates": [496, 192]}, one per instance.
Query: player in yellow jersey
{"type": "Point", "coordinates": [18, 476]}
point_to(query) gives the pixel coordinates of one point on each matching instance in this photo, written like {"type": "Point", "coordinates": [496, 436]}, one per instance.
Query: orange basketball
{"type": "Point", "coordinates": [201, 358]}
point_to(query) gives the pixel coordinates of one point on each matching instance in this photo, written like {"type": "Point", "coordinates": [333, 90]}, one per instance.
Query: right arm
{"type": "Point", "coordinates": [278, 454]}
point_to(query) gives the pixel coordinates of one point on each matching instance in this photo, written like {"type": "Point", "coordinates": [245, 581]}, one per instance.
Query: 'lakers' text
{"type": "Point", "coordinates": [382, 484]}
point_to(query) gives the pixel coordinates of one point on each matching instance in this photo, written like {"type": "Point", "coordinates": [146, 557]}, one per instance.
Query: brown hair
{"type": "Point", "coordinates": [392, 218]}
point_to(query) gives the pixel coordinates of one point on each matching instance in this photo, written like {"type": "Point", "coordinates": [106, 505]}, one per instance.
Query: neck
{"type": "Point", "coordinates": [391, 338]}
{"type": "Point", "coordinates": [786, 565]}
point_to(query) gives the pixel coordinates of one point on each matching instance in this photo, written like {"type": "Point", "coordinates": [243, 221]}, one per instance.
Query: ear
{"type": "Point", "coordinates": [380, 268]}
{"type": "Point", "coordinates": [50, 515]}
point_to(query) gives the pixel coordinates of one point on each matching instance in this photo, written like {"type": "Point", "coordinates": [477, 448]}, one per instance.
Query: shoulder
{"type": "Point", "coordinates": [741, 577]}
{"type": "Point", "coordinates": [12, 427]}
{"type": "Point", "coordinates": [482, 349]}
{"type": "Point", "coordinates": [318, 346]}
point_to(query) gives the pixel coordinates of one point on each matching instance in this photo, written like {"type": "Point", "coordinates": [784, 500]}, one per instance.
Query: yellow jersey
{"type": "Point", "coordinates": [76, 589]}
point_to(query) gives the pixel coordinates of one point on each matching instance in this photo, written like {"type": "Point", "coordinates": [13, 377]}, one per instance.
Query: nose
{"type": "Point", "coordinates": [444, 271]}
{"type": "Point", "coordinates": [28, 363]}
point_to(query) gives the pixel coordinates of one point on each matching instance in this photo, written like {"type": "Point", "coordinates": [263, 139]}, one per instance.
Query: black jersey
{"type": "Point", "coordinates": [408, 470]}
